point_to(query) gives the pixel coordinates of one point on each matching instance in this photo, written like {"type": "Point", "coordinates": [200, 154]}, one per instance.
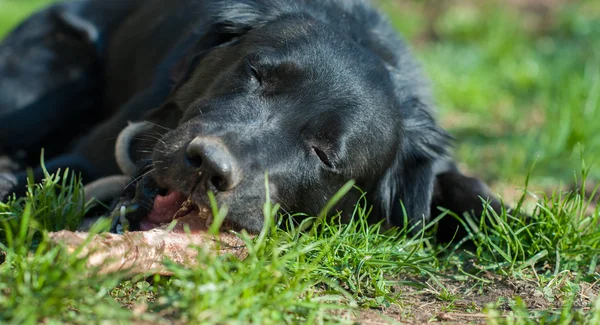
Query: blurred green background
{"type": "Point", "coordinates": [517, 81]}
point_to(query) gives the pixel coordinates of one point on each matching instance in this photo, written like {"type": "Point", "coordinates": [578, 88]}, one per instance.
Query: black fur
{"type": "Point", "coordinates": [314, 92]}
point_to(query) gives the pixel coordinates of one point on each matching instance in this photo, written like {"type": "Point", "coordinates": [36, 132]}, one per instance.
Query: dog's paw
{"type": "Point", "coordinates": [8, 181]}
{"type": "Point", "coordinates": [7, 165]}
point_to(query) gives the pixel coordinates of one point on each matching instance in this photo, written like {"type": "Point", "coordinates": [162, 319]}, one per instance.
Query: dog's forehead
{"type": "Point", "coordinates": [323, 81]}
{"type": "Point", "coordinates": [301, 36]}
{"type": "Point", "coordinates": [334, 68]}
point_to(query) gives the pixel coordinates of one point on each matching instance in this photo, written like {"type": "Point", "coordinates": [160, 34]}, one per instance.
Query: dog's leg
{"type": "Point", "coordinates": [460, 194]}
{"type": "Point", "coordinates": [93, 156]}
{"type": "Point", "coordinates": [51, 76]}
{"type": "Point", "coordinates": [17, 182]}
{"type": "Point", "coordinates": [51, 85]}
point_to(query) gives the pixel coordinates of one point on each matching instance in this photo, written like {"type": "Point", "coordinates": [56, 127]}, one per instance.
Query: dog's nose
{"type": "Point", "coordinates": [212, 160]}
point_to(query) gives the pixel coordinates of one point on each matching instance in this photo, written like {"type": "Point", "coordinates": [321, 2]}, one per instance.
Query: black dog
{"type": "Point", "coordinates": [312, 92]}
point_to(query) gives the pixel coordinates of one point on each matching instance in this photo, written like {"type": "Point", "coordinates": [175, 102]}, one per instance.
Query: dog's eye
{"type": "Point", "coordinates": [323, 156]}
{"type": "Point", "coordinates": [253, 70]}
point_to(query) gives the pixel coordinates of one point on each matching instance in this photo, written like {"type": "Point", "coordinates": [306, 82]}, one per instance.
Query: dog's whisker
{"type": "Point", "coordinates": [283, 206]}
{"type": "Point", "coordinates": [145, 140]}
{"type": "Point", "coordinates": [144, 204]}
{"type": "Point", "coordinates": [141, 176]}
{"type": "Point", "coordinates": [159, 126]}
{"type": "Point", "coordinates": [148, 137]}
{"type": "Point", "coordinates": [151, 135]}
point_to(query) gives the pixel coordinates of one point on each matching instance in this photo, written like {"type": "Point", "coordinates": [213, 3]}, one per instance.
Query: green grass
{"type": "Point", "coordinates": [512, 91]}
{"type": "Point", "coordinates": [322, 274]}
{"type": "Point", "coordinates": [290, 276]}
{"type": "Point", "coordinates": [13, 11]}
{"type": "Point", "coordinates": [515, 87]}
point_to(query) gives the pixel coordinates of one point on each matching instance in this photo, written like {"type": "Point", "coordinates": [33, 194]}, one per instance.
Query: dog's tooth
{"type": "Point", "coordinates": [184, 210]}
{"type": "Point", "coordinates": [202, 212]}
{"type": "Point", "coordinates": [122, 212]}
{"type": "Point", "coordinates": [209, 221]}
{"type": "Point", "coordinates": [188, 203]}
{"type": "Point", "coordinates": [123, 222]}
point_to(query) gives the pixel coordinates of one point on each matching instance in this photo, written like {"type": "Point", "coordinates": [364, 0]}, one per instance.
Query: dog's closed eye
{"type": "Point", "coordinates": [252, 70]}
{"type": "Point", "coordinates": [322, 156]}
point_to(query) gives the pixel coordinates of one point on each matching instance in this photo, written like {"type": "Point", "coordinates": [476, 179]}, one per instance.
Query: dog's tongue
{"type": "Point", "coordinates": [165, 207]}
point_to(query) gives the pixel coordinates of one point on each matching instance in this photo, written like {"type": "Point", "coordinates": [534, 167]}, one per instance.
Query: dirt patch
{"type": "Point", "coordinates": [591, 190]}
{"type": "Point", "coordinates": [467, 302]}
{"type": "Point", "coordinates": [536, 16]}
{"type": "Point", "coordinates": [537, 5]}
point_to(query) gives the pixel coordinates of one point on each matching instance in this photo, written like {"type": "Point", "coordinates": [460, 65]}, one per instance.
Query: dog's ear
{"type": "Point", "coordinates": [168, 114]}
{"type": "Point", "coordinates": [406, 189]}
{"type": "Point", "coordinates": [215, 36]}
{"type": "Point", "coordinates": [230, 20]}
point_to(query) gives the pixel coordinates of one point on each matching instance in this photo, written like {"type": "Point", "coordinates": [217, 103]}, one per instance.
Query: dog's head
{"type": "Point", "coordinates": [307, 102]}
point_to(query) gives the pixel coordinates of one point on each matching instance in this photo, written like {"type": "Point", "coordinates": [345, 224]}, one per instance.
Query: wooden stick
{"type": "Point", "coordinates": [144, 251]}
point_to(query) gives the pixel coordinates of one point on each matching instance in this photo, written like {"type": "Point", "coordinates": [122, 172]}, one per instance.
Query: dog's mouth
{"type": "Point", "coordinates": [168, 209]}
{"type": "Point", "coordinates": [146, 205]}
{"type": "Point", "coordinates": [187, 214]}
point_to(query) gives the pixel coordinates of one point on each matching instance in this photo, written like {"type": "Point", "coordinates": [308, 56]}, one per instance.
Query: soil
{"type": "Point", "coordinates": [468, 302]}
